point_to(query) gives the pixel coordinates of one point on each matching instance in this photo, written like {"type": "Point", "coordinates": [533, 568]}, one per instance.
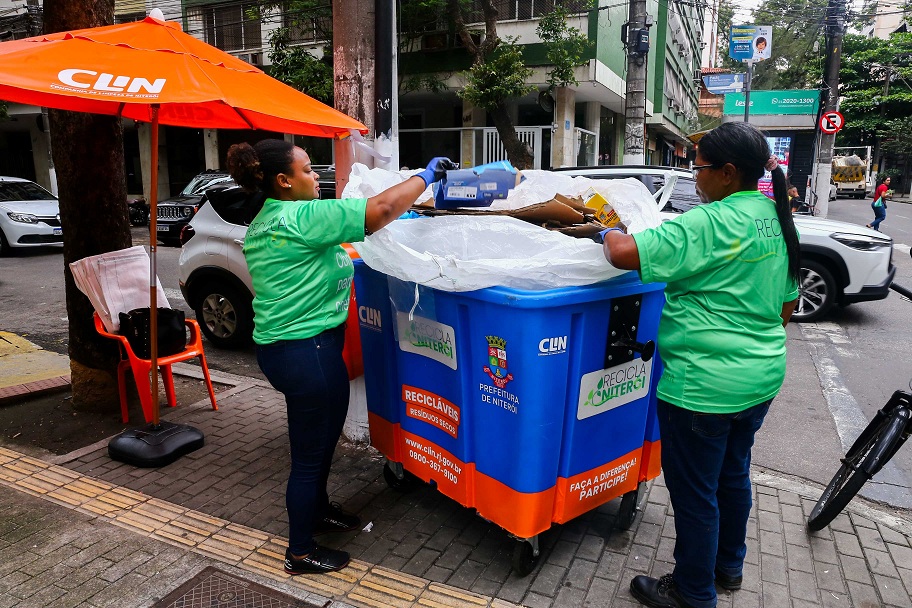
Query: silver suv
{"type": "Point", "coordinates": [214, 279]}
{"type": "Point", "coordinates": [841, 263]}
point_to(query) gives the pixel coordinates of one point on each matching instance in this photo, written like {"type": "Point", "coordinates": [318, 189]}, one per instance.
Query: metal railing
{"type": "Point", "coordinates": [481, 145]}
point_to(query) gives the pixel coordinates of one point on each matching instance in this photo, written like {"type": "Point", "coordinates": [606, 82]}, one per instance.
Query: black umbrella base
{"type": "Point", "coordinates": [155, 445]}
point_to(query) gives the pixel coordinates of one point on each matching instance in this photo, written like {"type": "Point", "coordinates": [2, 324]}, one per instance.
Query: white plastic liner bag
{"type": "Point", "coordinates": [464, 253]}
{"type": "Point", "coordinates": [116, 282]}
{"type": "Point", "coordinates": [469, 252]}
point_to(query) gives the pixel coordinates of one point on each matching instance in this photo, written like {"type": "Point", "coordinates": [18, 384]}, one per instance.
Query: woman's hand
{"type": "Point", "coordinates": [436, 169]}
{"type": "Point", "coordinates": [393, 202]}
{"type": "Point", "coordinates": [620, 249]}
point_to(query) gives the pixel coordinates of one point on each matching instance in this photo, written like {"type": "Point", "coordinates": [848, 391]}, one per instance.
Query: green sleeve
{"type": "Point", "coordinates": [677, 249]}
{"type": "Point", "coordinates": [791, 289]}
{"type": "Point", "coordinates": [324, 223]}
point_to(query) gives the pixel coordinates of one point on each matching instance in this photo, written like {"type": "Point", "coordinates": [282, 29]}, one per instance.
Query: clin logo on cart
{"type": "Point", "coordinates": [497, 361]}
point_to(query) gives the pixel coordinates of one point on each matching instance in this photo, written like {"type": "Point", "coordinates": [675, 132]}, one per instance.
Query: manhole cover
{"type": "Point", "coordinates": [212, 588]}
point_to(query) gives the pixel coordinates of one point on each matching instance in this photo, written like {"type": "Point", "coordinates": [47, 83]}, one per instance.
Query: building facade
{"type": "Point", "coordinates": [571, 126]}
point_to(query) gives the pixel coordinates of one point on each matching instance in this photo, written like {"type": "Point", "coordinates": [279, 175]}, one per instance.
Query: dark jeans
{"type": "Point", "coordinates": [312, 375]}
{"type": "Point", "coordinates": [880, 214]}
{"type": "Point", "coordinates": [706, 462]}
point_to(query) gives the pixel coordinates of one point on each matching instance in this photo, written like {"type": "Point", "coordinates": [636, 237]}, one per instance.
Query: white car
{"type": "Point", "coordinates": [841, 263]}
{"type": "Point", "coordinates": [29, 216]}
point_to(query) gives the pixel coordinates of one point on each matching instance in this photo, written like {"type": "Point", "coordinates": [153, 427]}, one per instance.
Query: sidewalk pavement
{"type": "Point", "coordinates": [83, 530]}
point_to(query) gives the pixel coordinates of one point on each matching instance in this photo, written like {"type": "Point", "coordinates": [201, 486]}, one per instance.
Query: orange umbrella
{"type": "Point", "coordinates": [151, 71]}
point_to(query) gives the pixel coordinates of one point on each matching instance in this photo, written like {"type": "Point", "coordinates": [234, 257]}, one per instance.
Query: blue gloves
{"type": "Point", "coordinates": [436, 169]}
{"type": "Point", "coordinates": [602, 234]}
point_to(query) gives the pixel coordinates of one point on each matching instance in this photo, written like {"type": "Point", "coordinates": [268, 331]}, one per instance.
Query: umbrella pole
{"type": "Point", "coordinates": [153, 271]}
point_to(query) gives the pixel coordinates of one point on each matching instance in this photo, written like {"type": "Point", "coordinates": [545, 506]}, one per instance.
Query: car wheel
{"type": "Point", "coordinates": [225, 316]}
{"type": "Point", "coordinates": [5, 248]}
{"type": "Point", "coordinates": [816, 292]}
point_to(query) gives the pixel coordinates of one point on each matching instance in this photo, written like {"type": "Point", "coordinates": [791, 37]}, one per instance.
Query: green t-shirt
{"type": "Point", "coordinates": [301, 275]}
{"type": "Point", "coordinates": [720, 335]}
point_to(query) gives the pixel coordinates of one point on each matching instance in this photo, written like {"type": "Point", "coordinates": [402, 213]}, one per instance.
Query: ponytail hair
{"type": "Point", "coordinates": [256, 167]}
{"type": "Point", "coordinates": [784, 213]}
{"type": "Point", "coordinates": [745, 147]}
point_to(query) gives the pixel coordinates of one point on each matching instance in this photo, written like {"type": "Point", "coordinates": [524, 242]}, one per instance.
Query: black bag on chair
{"type": "Point", "coordinates": [172, 332]}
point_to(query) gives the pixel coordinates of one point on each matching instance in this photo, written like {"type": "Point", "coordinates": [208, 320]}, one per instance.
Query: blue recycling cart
{"type": "Point", "coordinates": [532, 407]}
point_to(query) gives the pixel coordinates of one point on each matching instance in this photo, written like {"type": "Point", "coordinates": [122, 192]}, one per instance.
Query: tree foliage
{"type": "Point", "coordinates": [500, 76]}
{"type": "Point", "coordinates": [896, 135]}
{"type": "Point", "coordinates": [875, 85]}
{"type": "Point", "coordinates": [292, 63]}
{"type": "Point", "coordinates": [798, 44]}
{"type": "Point", "coordinates": [296, 67]}
{"type": "Point", "coordinates": [566, 46]}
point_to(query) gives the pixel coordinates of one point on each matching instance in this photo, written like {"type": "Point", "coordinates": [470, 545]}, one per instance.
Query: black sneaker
{"type": "Point", "coordinates": [727, 582]}
{"type": "Point", "coordinates": [321, 559]}
{"type": "Point", "coordinates": [657, 592]}
{"type": "Point", "coordinates": [336, 520]}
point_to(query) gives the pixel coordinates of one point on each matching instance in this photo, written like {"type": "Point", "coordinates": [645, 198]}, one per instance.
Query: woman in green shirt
{"type": "Point", "coordinates": [302, 280]}
{"type": "Point", "coordinates": [731, 268]}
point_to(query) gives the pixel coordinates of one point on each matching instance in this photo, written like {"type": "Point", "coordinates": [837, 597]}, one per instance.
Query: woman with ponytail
{"type": "Point", "coordinates": [731, 268]}
{"type": "Point", "coordinates": [302, 279]}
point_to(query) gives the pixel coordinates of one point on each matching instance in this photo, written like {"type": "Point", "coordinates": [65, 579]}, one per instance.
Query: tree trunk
{"type": "Point", "coordinates": [93, 211]}
{"type": "Point", "coordinates": [519, 153]}
{"type": "Point", "coordinates": [354, 49]}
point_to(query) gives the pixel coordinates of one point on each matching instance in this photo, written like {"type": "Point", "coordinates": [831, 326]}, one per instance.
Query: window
{"type": "Point", "coordinates": [308, 27]}
{"type": "Point", "coordinates": [130, 17]}
{"type": "Point", "coordinates": [23, 191]}
{"type": "Point", "coordinates": [230, 27]}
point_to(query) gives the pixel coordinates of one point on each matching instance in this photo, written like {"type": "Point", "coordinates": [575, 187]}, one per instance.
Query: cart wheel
{"type": "Point", "coordinates": [406, 483]}
{"type": "Point", "coordinates": [524, 558]}
{"type": "Point", "coordinates": [628, 510]}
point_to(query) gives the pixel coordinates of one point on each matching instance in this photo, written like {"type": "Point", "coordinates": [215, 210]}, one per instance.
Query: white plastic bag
{"type": "Point", "coordinates": [116, 282]}
{"type": "Point", "coordinates": [464, 253]}
{"type": "Point", "coordinates": [467, 252]}
{"type": "Point", "coordinates": [365, 183]}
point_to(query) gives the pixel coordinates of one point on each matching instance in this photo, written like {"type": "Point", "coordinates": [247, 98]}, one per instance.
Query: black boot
{"type": "Point", "coordinates": [657, 592]}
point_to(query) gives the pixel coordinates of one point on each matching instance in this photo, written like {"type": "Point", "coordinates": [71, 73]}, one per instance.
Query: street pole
{"type": "Point", "coordinates": [823, 169]}
{"type": "Point", "coordinates": [635, 102]}
{"type": "Point", "coordinates": [747, 90]}
{"type": "Point", "coordinates": [386, 139]}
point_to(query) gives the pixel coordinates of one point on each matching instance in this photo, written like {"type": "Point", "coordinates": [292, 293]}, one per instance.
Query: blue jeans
{"type": "Point", "coordinates": [880, 214]}
{"type": "Point", "coordinates": [706, 462]}
{"type": "Point", "coordinates": [312, 375]}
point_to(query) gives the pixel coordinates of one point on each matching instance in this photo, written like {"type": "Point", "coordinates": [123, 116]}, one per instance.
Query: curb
{"type": "Point", "coordinates": [38, 387]}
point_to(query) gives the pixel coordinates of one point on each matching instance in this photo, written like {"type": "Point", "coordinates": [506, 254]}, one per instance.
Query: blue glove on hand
{"type": "Point", "coordinates": [606, 231]}
{"type": "Point", "coordinates": [437, 169]}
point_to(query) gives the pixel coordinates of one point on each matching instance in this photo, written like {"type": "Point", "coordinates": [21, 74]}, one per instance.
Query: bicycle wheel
{"type": "Point", "coordinates": [881, 438]}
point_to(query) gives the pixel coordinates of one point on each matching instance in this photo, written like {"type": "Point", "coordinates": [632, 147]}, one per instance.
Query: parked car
{"type": "Point", "coordinates": [175, 213]}
{"type": "Point", "coordinates": [841, 263]}
{"type": "Point", "coordinates": [213, 272]}
{"type": "Point", "coordinates": [29, 216]}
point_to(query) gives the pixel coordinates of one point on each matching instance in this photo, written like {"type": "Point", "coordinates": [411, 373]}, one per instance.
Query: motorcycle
{"type": "Point", "coordinates": [139, 212]}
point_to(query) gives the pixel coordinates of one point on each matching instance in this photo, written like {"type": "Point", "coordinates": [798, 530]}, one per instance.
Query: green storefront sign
{"type": "Point", "coordinates": [774, 102]}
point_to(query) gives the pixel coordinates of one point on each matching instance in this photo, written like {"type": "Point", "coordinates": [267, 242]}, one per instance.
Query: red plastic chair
{"type": "Point", "coordinates": [142, 367]}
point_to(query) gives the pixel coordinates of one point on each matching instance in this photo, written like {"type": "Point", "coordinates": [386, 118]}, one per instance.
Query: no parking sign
{"type": "Point", "coordinates": [831, 122]}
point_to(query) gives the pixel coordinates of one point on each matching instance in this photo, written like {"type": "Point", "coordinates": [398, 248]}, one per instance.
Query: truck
{"type": "Point", "coordinates": [852, 171]}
